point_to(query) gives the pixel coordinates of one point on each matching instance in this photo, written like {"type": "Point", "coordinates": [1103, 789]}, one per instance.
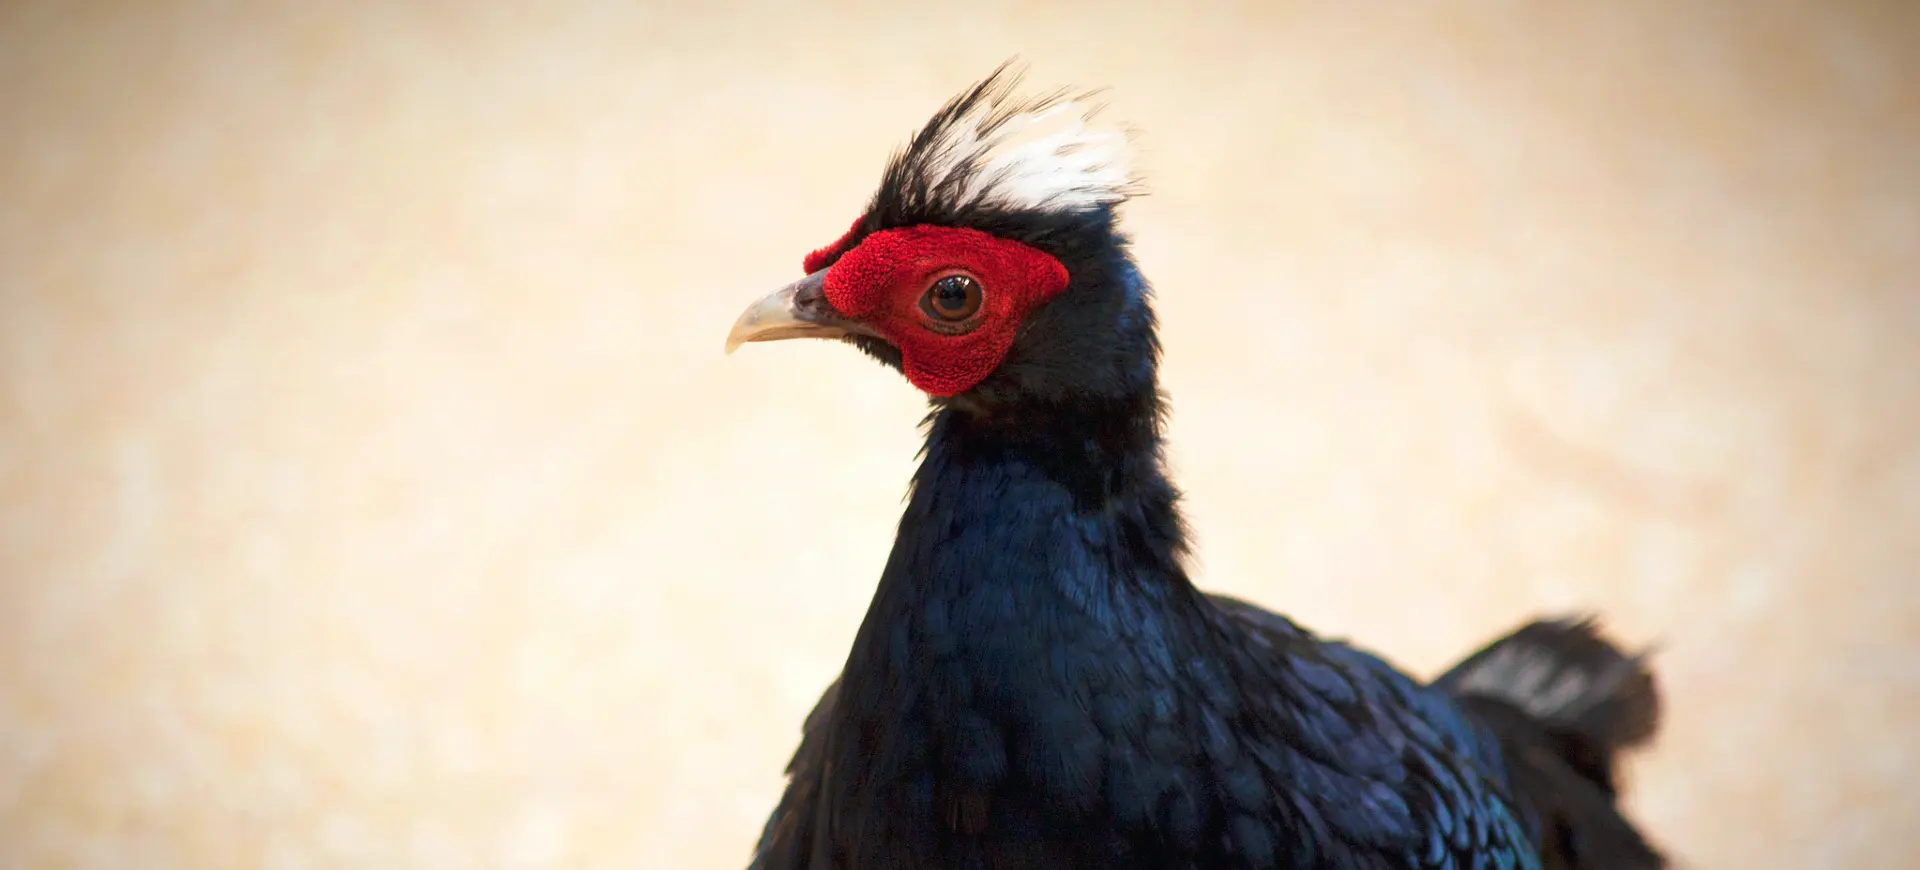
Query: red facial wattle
{"type": "Point", "coordinates": [818, 260]}
{"type": "Point", "coordinates": [881, 281]}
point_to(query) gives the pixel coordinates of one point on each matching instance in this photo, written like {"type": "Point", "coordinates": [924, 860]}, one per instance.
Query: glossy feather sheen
{"type": "Point", "coordinates": [1034, 687]}
{"type": "Point", "coordinates": [1037, 684]}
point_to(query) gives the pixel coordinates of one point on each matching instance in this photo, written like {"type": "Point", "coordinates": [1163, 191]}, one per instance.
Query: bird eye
{"type": "Point", "coordinates": [952, 299]}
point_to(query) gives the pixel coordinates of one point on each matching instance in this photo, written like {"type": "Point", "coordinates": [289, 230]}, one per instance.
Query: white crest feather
{"type": "Point", "coordinates": [1044, 154]}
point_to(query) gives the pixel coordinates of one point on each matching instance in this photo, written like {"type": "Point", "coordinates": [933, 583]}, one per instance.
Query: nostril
{"type": "Point", "coordinates": [810, 297]}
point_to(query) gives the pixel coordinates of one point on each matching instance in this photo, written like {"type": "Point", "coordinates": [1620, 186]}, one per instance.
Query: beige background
{"type": "Point", "coordinates": [373, 491]}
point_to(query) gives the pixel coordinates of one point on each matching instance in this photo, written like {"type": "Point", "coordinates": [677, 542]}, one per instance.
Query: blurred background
{"type": "Point", "coordinates": [374, 493]}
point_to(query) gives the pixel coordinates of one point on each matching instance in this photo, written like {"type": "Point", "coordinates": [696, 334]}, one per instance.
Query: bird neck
{"type": "Point", "coordinates": [1023, 535]}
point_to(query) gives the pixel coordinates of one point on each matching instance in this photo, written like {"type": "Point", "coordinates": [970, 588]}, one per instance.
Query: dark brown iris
{"type": "Point", "coordinates": [952, 298]}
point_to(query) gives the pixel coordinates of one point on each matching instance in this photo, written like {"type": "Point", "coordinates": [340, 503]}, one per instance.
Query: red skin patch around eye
{"type": "Point", "coordinates": [881, 282]}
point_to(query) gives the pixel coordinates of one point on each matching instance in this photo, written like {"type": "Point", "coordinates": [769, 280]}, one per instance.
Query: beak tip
{"type": "Point", "coordinates": [743, 329]}
{"type": "Point", "coordinates": [776, 317]}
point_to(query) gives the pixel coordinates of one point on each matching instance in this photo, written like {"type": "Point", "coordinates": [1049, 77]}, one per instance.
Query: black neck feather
{"type": "Point", "coordinates": [1037, 563]}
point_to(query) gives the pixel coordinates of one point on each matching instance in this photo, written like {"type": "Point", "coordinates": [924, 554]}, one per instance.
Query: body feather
{"type": "Point", "coordinates": [1038, 684]}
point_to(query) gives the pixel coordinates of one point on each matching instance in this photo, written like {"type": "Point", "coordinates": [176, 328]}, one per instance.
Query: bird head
{"type": "Point", "coordinates": [987, 267]}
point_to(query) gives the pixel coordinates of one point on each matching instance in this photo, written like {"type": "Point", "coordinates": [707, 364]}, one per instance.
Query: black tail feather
{"type": "Point", "coordinates": [1567, 703]}
{"type": "Point", "coordinates": [1567, 675]}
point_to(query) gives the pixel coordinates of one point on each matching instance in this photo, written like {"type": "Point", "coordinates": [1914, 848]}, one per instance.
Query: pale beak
{"type": "Point", "coordinates": [798, 310]}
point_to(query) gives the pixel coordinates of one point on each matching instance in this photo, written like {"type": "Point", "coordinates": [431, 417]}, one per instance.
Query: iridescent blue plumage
{"type": "Point", "coordinates": [1037, 683]}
